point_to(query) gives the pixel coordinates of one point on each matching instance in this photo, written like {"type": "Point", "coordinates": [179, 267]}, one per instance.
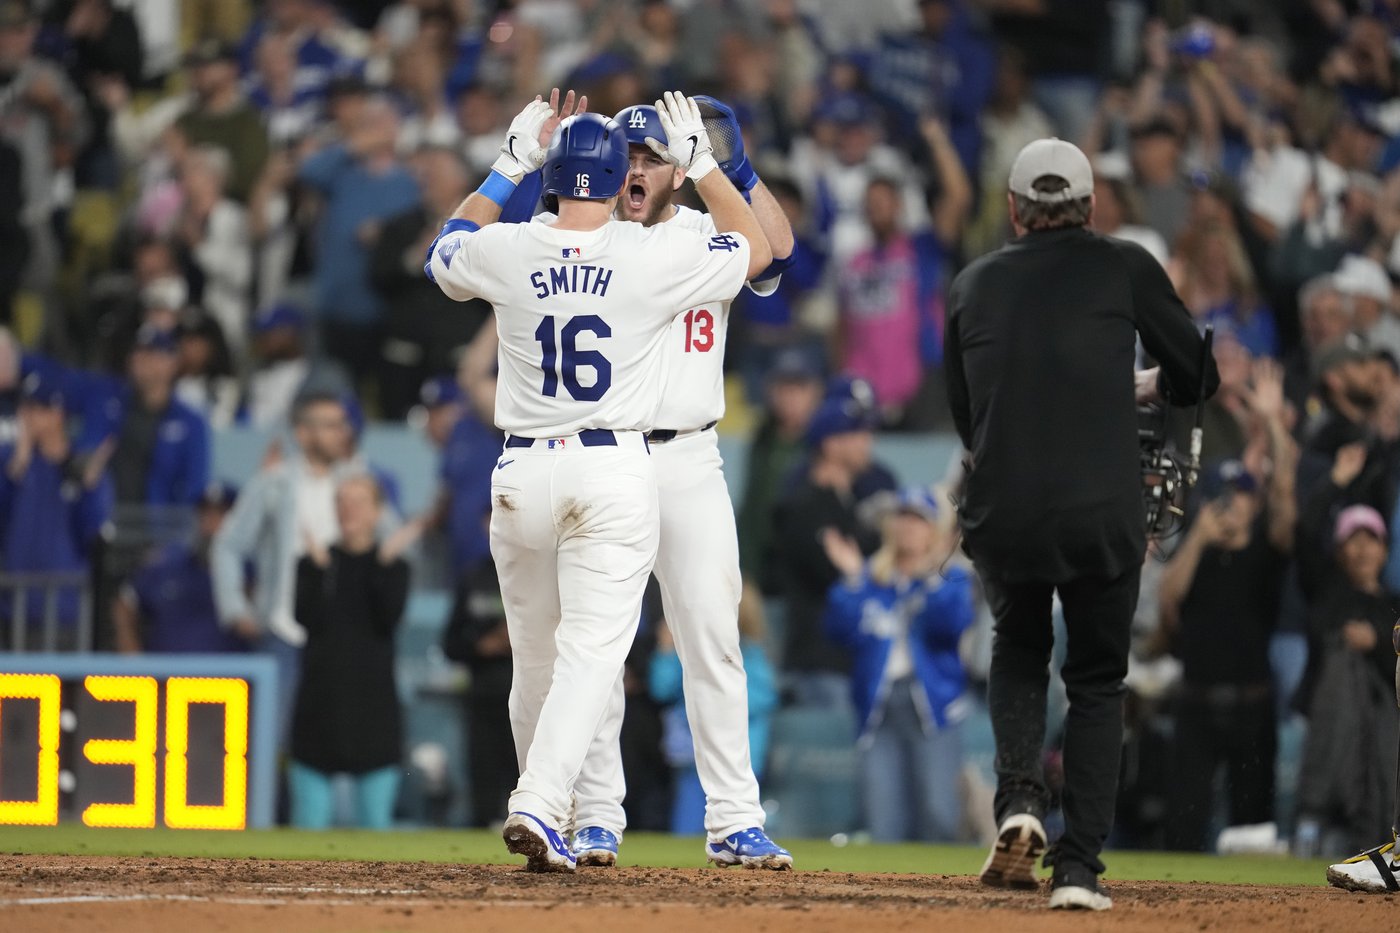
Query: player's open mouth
{"type": "Point", "coordinates": [636, 197]}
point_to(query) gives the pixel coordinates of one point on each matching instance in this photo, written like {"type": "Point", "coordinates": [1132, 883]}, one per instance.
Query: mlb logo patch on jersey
{"type": "Point", "coordinates": [572, 252]}
{"type": "Point", "coordinates": [556, 442]}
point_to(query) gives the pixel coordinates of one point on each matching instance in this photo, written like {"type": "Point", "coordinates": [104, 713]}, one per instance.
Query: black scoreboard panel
{"type": "Point", "coordinates": [129, 751]}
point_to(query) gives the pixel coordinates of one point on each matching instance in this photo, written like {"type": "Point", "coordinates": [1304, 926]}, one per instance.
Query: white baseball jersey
{"type": "Point", "coordinates": [582, 316]}
{"type": "Point", "coordinates": [694, 393]}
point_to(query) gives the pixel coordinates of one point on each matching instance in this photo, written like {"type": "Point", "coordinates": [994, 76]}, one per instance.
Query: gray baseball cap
{"type": "Point", "coordinates": [1052, 157]}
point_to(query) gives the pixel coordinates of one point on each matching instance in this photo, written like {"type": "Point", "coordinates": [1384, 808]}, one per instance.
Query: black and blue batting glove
{"type": "Point", "coordinates": [728, 141]}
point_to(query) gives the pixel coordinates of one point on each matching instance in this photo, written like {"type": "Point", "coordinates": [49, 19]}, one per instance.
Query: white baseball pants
{"type": "Point", "coordinates": [697, 566]}
{"type": "Point", "coordinates": [574, 534]}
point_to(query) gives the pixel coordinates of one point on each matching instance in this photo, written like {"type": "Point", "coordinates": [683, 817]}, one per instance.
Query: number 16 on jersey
{"type": "Point", "coordinates": [566, 364]}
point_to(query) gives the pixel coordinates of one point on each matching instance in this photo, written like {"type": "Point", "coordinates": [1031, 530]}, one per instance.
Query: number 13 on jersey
{"type": "Point", "coordinates": [699, 330]}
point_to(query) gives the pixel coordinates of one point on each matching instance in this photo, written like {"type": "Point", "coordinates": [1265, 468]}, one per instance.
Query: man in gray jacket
{"type": "Point", "coordinates": [286, 508]}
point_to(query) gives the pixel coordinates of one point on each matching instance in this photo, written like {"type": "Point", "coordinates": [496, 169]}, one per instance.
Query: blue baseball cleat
{"type": "Point", "coordinates": [751, 848]}
{"type": "Point", "coordinates": [544, 849]}
{"type": "Point", "coordinates": [595, 846]}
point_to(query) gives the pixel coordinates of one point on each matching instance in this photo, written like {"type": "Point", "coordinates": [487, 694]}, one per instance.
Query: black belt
{"type": "Point", "coordinates": [662, 435]}
{"type": "Point", "coordinates": [590, 437]}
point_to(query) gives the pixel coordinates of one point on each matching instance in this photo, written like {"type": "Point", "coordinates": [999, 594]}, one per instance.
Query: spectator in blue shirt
{"type": "Point", "coordinates": [161, 454]}
{"type": "Point", "coordinates": [168, 605]}
{"type": "Point", "coordinates": [945, 69]}
{"type": "Point", "coordinates": [363, 184]}
{"type": "Point", "coordinates": [296, 22]}
{"type": "Point", "coordinates": [52, 506]}
{"type": "Point", "coordinates": [901, 623]}
{"type": "Point", "coordinates": [468, 458]}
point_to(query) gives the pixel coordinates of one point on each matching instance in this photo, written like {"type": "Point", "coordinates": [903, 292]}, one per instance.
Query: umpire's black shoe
{"type": "Point", "coordinates": [1019, 845]}
{"type": "Point", "coordinates": [1077, 889]}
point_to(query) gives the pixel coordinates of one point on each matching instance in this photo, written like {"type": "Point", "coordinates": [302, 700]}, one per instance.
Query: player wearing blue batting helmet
{"type": "Point", "coordinates": [587, 158]}
{"type": "Point", "coordinates": [641, 123]}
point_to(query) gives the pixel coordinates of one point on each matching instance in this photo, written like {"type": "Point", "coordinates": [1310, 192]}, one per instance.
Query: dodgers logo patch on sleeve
{"type": "Point", "coordinates": [447, 251]}
{"type": "Point", "coordinates": [723, 241]}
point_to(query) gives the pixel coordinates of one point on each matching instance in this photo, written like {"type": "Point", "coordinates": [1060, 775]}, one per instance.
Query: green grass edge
{"type": "Point", "coordinates": [640, 849]}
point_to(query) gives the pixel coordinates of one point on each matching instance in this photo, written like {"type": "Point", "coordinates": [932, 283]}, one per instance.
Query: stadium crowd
{"type": "Point", "coordinates": [214, 214]}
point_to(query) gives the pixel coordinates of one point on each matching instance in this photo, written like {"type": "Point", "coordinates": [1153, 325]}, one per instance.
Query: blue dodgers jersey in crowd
{"type": "Point", "coordinates": [175, 596]}
{"type": "Point", "coordinates": [353, 196]}
{"type": "Point", "coordinates": [178, 472]}
{"type": "Point", "coordinates": [467, 462]}
{"type": "Point", "coordinates": [48, 522]}
{"type": "Point", "coordinates": [865, 617]}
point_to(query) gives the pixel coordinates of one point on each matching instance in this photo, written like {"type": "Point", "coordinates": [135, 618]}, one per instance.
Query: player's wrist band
{"type": "Point", "coordinates": [457, 225]}
{"type": "Point", "coordinates": [743, 176]}
{"type": "Point", "coordinates": [777, 266]}
{"type": "Point", "coordinates": [497, 188]}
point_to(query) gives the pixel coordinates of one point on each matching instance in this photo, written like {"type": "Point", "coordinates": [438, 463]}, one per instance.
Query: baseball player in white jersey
{"type": "Point", "coordinates": [583, 306]}
{"type": "Point", "coordinates": [698, 559]}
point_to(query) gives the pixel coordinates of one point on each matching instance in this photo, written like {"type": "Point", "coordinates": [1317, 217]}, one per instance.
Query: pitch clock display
{"type": "Point", "coordinates": [135, 750]}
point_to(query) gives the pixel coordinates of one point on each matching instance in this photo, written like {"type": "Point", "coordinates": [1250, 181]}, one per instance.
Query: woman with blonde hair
{"type": "Point", "coordinates": [1212, 273]}
{"type": "Point", "coordinates": [901, 619]}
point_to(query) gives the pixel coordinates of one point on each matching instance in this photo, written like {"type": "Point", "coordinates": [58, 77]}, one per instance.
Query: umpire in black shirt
{"type": "Point", "coordinates": [1040, 351]}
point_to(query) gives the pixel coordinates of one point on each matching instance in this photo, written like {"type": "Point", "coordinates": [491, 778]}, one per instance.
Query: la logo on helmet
{"type": "Point", "coordinates": [637, 121]}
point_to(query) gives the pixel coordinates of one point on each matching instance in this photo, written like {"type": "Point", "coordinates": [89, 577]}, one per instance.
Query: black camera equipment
{"type": "Point", "coordinates": [1167, 479]}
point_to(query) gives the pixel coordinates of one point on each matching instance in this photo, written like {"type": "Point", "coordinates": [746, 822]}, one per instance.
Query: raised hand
{"type": "Point", "coordinates": [1265, 394]}
{"type": "Point", "coordinates": [401, 540]}
{"type": "Point", "coordinates": [843, 553]}
{"type": "Point", "coordinates": [687, 145]}
{"type": "Point", "coordinates": [560, 114]}
{"type": "Point", "coordinates": [521, 152]}
{"type": "Point", "coordinates": [1350, 460]}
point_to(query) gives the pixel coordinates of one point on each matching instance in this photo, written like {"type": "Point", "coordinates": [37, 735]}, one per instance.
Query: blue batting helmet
{"type": "Point", "coordinates": [641, 123]}
{"type": "Point", "coordinates": [587, 158]}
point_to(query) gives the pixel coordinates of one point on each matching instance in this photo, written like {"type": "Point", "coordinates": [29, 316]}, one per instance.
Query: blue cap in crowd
{"type": "Point", "coordinates": [837, 416]}
{"type": "Point", "coordinates": [847, 109]}
{"type": "Point", "coordinates": [279, 315]}
{"type": "Point", "coordinates": [1228, 475]}
{"type": "Point", "coordinates": [38, 389]}
{"type": "Point", "coordinates": [219, 494]}
{"type": "Point", "coordinates": [156, 339]}
{"type": "Point", "coordinates": [795, 364]}
{"type": "Point", "coordinates": [918, 500]}
{"type": "Point", "coordinates": [440, 390]}
{"type": "Point", "coordinates": [845, 387]}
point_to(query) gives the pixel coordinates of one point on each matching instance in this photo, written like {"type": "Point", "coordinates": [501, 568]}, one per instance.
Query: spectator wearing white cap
{"type": "Point", "coordinates": [1366, 283]}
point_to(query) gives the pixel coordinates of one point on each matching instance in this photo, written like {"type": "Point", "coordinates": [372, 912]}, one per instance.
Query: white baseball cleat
{"type": "Point", "coordinates": [544, 849]}
{"type": "Point", "coordinates": [750, 848]}
{"type": "Point", "coordinates": [1019, 845]}
{"type": "Point", "coordinates": [1371, 872]}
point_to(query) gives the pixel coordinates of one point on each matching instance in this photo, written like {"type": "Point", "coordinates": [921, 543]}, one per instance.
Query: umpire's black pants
{"type": "Point", "coordinates": [1098, 618]}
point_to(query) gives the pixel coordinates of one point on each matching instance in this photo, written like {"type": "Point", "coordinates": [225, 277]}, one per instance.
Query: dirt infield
{"type": "Point", "coordinates": [45, 894]}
